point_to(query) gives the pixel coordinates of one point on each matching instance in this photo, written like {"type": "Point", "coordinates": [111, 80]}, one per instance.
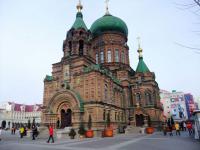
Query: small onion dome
{"type": "Point", "coordinates": [79, 23]}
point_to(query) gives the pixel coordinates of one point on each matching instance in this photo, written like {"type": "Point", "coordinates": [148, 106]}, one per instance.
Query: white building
{"type": "Point", "coordinates": [198, 101]}
{"type": "Point", "coordinates": [13, 113]}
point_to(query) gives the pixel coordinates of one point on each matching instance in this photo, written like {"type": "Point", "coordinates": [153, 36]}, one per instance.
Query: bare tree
{"type": "Point", "coordinates": [194, 7]}
{"type": "Point", "coordinates": [197, 2]}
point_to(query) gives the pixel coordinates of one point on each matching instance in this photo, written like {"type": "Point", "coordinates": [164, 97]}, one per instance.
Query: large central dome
{"type": "Point", "coordinates": [109, 23]}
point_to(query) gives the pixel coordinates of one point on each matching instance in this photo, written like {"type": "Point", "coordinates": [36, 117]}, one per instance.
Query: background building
{"type": "Point", "coordinates": [174, 104]}
{"type": "Point", "coordinates": [166, 103]}
{"type": "Point", "coordinates": [190, 105]}
{"type": "Point", "coordinates": [15, 114]}
{"type": "Point", "coordinates": [198, 102]}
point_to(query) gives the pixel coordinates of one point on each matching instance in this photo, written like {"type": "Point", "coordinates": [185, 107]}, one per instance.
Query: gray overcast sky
{"type": "Point", "coordinates": [32, 32]}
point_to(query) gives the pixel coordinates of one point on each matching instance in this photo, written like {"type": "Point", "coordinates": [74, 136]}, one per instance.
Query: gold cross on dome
{"type": "Point", "coordinates": [138, 38]}
{"type": "Point", "coordinates": [139, 48]}
{"type": "Point", "coordinates": [79, 6]}
{"type": "Point", "coordinates": [106, 1]}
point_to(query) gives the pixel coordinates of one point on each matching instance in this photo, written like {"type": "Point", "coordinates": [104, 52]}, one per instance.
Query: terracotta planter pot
{"type": "Point", "coordinates": [89, 134]}
{"type": "Point", "coordinates": [149, 130]}
{"type": "Point", "coordinates": [108, 133]}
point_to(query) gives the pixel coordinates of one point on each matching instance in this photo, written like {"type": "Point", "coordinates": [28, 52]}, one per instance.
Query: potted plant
{"type": "Point", "coordinates": [89, 133]}
{"type": "Point", "coordinates": [149, 129]}
{"type": "Point", "coordinates": [108, 131]}
{"type": "Point", "coordinates": [72, 133]}
{"type": "Point", "coordinates": [81, 130]}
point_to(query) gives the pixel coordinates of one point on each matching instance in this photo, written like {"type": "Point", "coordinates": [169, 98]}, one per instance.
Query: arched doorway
{"type": "Point", "coordinates": [66, 118]}
{"type": "Point", "coordinates": [139, 120]}
{"type": "Point", "coordinates": [3, 124]}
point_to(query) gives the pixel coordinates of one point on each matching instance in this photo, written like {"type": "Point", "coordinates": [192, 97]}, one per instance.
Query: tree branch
{"type": "Point", "coordinates": [188, 47]}
{"type": "Point", "coordinates": [197, 2]}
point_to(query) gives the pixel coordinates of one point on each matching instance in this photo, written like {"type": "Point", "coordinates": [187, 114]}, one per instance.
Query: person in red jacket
{"type": "Point", "coordinates": [50, 134]}
{"type": "Point", "coordinates": [189, 127]}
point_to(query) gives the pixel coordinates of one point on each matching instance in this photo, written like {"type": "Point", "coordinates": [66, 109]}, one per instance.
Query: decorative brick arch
{"type": "Point", "coordinates": [68, 98]}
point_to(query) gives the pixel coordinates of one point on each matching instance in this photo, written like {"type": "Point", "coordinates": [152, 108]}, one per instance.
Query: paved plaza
{"type": "Point", "coordinates": [120, 142]}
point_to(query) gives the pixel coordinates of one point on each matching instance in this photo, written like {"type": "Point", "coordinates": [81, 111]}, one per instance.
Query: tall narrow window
{"type": "Point", "coordinates": [106, 91]}
{"type": "Point", "coordinates": [109, 55]}
{"type": "Point", "coordinates": [81, 45]}
{"type": "Point", "coordinates": [97, 58]}
{"type": "Point", "coordinates": [122, 57]}
{"type": "Point", "coordinates": [138, 98]}
{"type": "Point", "coordinates": [102, 57]}
{"type": "Point", "coordinates": [70, 48]}
{"type": "Point", "coordinates": [104, 114]}
{"type": "Point", "coordinates": [148, 99]}
{"type": "Point", "coordinates": [116, 55]}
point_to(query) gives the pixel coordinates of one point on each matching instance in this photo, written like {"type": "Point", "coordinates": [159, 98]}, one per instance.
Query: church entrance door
{"type": "Point", "coordinates": [66, 118]}
{"type": "Point", "coordinates": [139, 120]}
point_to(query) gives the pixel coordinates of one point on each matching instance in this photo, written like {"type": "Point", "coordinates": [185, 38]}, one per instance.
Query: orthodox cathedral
{"type": "Point", "coordinates": [94, 78]}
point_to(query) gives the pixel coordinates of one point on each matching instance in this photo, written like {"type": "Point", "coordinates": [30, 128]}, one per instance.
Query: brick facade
{"type": "Point", "coordinates": [94, 77]}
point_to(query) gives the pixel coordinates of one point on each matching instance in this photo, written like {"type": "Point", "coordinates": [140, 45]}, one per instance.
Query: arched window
{"type": "Point", "coordinates": [104, 114]}
{"type": "Point", "coordinates": [109, 56]}
{"type": "Point", "coordinates": [116, 55]}
{"type": "Point", "coordinates": [138, 97]}
{"type": "Point", "coordinates": [122, 57]}
{"type": "Point", "coordinates": [102, 57]}
{"type": "Point", "coordinates": [97, 58]}
{"type": "Point", "coordinates": [81, 46]}
{"type": "Point", "coordinates": [148, 99]}
{"type": "Point", "coordinates": [106, 91]}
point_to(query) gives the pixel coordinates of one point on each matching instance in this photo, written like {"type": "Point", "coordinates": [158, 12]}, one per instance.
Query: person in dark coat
{"type": "Point", "coordinates": [34, 132]}
{"type": "Point", "coordinates": [170, 130]}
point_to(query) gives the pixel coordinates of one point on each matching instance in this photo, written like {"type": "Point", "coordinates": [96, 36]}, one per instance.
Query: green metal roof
{"type": "Point", "coordinates": [48, 78]}
{"type": "Point", "coordinates": [79, 23]}
{"type": "Point", "coordinates": [108, 23]}
{"type": "Point", "coordinates": [142, 67]}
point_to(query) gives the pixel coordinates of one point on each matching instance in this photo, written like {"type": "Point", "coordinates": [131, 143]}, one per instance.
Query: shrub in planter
{"type": "Point", "coordinates": [81, 130]}
{"type": "Point", "coordinates": [108, 132]}
{"type": "Point", "coordinates": [72, 133]}
{"type": "Point", "coordinates": [89, 133]}
{"type": "Point", "coordinates": [149, 129]}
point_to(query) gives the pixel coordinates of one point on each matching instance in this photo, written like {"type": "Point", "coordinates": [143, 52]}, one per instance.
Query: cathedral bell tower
{"type": "Point", "coordinates": [76, 43]}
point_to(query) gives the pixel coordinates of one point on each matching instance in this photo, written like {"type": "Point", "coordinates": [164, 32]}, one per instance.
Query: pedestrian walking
{"type": "Point", "coordinates": [164, 129]}
{"type": "Point", "coordinates": [170, 130]}
{"type": "Point", "coordinates": [34, 132]}
{"type": "Point", "coordinates": [177, 127]}
{"type": "Point", "coordinates": [50, 134]}
{"type": "Point", "coordinates": [21, 131]}
{"type": "Point", "coordinates": [12, 130]}
{"type": "Point", "coordinates": [184, 126]}
{"type": "Point", "coordinates": [189, 127]}
{"type": "Point", "coordinates": [181, 126]}
{"type": "Point", "coordinates": [0, 133]}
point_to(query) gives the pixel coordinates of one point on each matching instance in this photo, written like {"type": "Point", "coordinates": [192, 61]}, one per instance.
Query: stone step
{"type": "Point", "coordinates": [133, 129]}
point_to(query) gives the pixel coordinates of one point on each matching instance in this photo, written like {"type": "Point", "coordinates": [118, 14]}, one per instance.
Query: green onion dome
{"type": "Point", "coordinates": [109, 23]}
